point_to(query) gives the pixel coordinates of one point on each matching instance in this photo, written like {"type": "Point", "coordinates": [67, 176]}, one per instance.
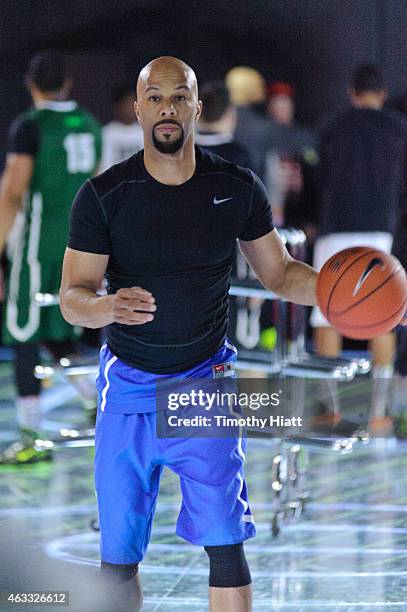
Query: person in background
{"type": "Point", "coordinates": [254, 130]}
{"type": "Point", "coordinates": [362, 181]}
{"type": "Point", "coordinates": [52, 149]}
{"type": "Point", "coordinates": [217, 125]}
{"type": "Point", "coordinates": [295, 138]}
{"type": "Point", "coordinates": [291, 162]}
{"type": "Point", "coordinates": [123, 136]}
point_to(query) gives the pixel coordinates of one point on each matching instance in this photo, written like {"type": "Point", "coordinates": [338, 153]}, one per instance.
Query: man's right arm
{"type": "Point", "coordinates": [82, 276]}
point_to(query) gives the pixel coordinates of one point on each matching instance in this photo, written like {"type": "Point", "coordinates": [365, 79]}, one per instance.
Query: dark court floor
{"type": "Point", "coordinates": [348, 551]}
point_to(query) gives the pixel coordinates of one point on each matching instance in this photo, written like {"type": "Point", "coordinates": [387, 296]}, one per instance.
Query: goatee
{"type": "Point", "coordinates": [168, 147]}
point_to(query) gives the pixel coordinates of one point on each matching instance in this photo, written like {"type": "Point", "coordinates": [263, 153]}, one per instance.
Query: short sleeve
{"type": "Point", "coordinates": [88, 227]}
{"type": "Point", "coordinates": [24, 137]}
{"type": "Point", "coordinates": [260, 221]}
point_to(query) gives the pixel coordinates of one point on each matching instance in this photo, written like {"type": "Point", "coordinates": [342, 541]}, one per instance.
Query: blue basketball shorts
{"type": "Point", "coordinates": [129, 460]}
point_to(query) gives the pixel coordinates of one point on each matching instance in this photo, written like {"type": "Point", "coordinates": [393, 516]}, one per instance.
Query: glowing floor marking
{"type": "Point", "coordinates": [355, 550]}
{"type": "Point", "coordinates": [343, 527]}
{"type": "Point", "coordinates": [174, 569]}
{"type": "Point", "coordinates": [358, 506]}
{"type": "Point", "coordinates": [4, 512]}
{"type": "Point", "coordinates": [89, 542]}
{"type": "Point", "coordinates": [165, 506]}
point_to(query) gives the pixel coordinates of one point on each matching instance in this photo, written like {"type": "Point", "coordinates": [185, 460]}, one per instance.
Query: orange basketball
{"type": "Point", "coordinates": [362, 292]}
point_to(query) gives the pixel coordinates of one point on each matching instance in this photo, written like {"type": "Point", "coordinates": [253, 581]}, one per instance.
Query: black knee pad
{"type": "Point", "coordinates": [119, 573]}
{"type": "Point", "coordinates": [228, 566]}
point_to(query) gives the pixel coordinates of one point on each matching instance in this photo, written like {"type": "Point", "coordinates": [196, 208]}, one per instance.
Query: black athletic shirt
{"type": "Point", "coordinates": [175, 241]}
{"type": "Point", "coordinates": [362, 171]}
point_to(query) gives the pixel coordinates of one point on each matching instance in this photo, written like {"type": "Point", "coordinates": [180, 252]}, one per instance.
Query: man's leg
{"type": "Point", "coordinates": [28, 407]}
{"type": "Point", "coordinates": [328, 343]}
{"type": "Point", "coordinates": [124, 587]}
{"type": "Point", "coordinates": [229, 579]}
{"type": "Point", "coordinates": [400, 381]}
{"type": "Point", "coordinates": [237, 599]}
{"type": "Point", "coordinates": [127, 481]}
{"type": "Point", "coordinates": [26, 357]}
{"type": "Point", "coordinates": [383, 352]}
{"type": "Point", "coordinates": [215, 513]}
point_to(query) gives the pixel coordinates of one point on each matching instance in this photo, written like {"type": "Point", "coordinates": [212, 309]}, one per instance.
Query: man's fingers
{"type": "Point", "coordinates": [135, 318]}
{"type": "Point", "coordinates": [136, 293]}
{"type": "Point", "coordinates": [132, 305]}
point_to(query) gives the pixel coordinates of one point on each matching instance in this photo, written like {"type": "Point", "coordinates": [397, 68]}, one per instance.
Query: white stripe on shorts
{"type": "Point", "coordinates": [230, 346]}
{"type": "Point", "coordinates": [239, 495]}
{"type": "Point", "coordinates": [107, 385]}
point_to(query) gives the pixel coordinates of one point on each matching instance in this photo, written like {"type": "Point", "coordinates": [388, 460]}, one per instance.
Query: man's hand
{"type": "Point", "coordinates": [133, 306]}
{"type": "Point", "coordinates": [82, 276]}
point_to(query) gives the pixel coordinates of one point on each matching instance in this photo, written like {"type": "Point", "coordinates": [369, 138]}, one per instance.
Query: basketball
{"type": "Point", "coordinates": [362, 292]}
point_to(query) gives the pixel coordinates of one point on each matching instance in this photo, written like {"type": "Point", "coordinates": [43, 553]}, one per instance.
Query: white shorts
{"type": "Point", "coordinates": [326, 246]}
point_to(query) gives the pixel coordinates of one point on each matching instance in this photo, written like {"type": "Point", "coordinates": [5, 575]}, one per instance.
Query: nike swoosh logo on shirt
{"type": "Point", "coordinates": [216, 201]}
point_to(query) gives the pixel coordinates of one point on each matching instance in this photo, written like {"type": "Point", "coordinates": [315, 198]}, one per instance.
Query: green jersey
{"type": "Point", "coordinates": [65, 144]}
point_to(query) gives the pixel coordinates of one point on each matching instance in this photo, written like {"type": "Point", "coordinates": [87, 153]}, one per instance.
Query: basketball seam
{"type": "Point", "coordinates": [343, 272]}
{"type": "Point", "coordinates": [386, 280]}
{"type": "Point", "coordinates": [374, 324]}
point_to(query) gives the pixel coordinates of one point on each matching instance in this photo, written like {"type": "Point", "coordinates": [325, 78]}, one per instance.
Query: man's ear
{"type": "Point", "coordinates": [198, 110]}
{"type": "Point", "coordinates": [136, 110]}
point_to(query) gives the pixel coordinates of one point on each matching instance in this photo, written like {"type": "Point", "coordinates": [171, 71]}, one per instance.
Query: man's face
{"type": "Point", "coordinates": [167, 107]}
{"type": "Point", "coordinates": [281, 108]}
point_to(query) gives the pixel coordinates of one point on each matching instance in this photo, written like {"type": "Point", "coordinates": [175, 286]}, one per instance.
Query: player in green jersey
{"type": "Point", "coordinates": [53, 148]}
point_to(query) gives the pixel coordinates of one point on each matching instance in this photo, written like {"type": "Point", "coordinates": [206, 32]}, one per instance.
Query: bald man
{"type": "Point", "coordinates": [161, 226]}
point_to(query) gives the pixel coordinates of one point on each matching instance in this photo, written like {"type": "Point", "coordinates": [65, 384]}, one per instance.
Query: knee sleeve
{"type": "Point", "coordinates": [228, 566]}
{"type": "Point", "coordinates": [119, 573]}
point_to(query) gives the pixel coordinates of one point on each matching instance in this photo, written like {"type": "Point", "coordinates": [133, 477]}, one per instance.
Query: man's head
{"type": "Point", "coordinates": [367, 89]}
{"type": "Point", "coordinates": [246, 86]}
{"type": "Point", "coordinates": [281, 102]}
{"type": "Point", "coordinates": [123, 104]}
{"type": "Point", "coordinates": [167, 105]}
{"type": "Point", "coordinates": [217, 112]}
{"type": "Point", "coordinates": [46, 75]}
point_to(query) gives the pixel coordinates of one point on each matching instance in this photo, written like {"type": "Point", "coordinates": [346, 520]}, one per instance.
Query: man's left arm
{"type": "Point", "coordinates": [290, 279]}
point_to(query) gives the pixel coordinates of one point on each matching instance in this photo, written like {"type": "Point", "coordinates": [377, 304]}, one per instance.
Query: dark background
{"type": "Point", "coordinates": [314, 44]}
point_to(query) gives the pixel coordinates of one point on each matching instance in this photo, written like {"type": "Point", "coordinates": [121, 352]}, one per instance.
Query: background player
{"type": "Point", "coordinates": [217, 124]}
{"type": "Point", "coordinates": [162, 226]}
{"type": "Point", "coordinates": [52, 149]}
{"type": "Point", "coordinates": [362, 179]}
{"type": "Point", "coordinates": [122, 136]}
